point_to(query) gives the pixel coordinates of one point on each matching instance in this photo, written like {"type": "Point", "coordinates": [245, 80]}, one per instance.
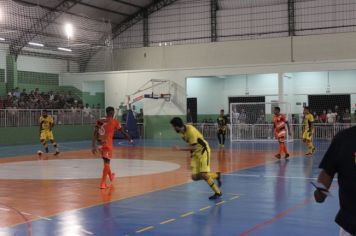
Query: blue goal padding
{"type": "Point", "coordinates": [130, 126]}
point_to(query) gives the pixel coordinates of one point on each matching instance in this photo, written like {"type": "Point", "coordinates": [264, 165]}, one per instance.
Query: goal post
{"type": "Point", "coordinates": [254, 121]}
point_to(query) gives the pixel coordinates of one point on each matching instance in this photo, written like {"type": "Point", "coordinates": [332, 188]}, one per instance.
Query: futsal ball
{"type": "Point", "coordinates": [39, 152]}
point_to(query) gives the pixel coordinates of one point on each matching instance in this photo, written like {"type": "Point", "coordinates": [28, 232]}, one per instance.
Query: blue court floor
{"type": "Point", "coordinates": [267, 200]}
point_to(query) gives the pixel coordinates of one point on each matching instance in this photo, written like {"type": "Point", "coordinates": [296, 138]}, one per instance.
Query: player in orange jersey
{"type": "Point", "coordinates": [102, 142]}
{"type": "Point", "coordinates": [279, 123]}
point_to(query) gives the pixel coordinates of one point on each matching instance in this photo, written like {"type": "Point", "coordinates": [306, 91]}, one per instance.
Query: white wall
{"type": "Point", "coordinates": [313, 48]}
{"type": "Point", "coordinates": [120, 84]}
{"type": "Point", "coordinates": [159, 107]}
{"type": "Point", "coordinates": [205, 55]}
{"type": "Point", "coordinates": [300, 84]}
{"type": "Point", "coordinates": [45, 65]}
{"type": "Point", "coordinates": [93, 87]}
{"type": "Point", "coordinates": [212, 93]}
{"type": "Point", "coordinates": [208, 93]}
{"type": "Point", "coordinates": [3, 49]}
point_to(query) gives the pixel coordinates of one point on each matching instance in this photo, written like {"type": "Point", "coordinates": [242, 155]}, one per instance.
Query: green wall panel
{"type": "Point", "coordinates": [2, 89]}
{"type": "Point", "coordinates": [201, 117]}
{"type": "Point", "coordinates": [158, 127]}
{"type": "Point", "coordinates": [29, 77]}
{"type": "Point", "coordinates": [94, 99]}
{"type": "Point", "coordinates": [2, 75]}
{"type": "Point", "coordinates": [12, 73]}
{"type": "Point", "coordinates": [30, 135]}
{"type": "Point", "coordinates": [41, 87]}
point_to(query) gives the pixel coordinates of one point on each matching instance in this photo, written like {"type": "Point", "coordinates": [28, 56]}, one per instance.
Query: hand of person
{"type": "Point", "coordinates": [319, 196]}
{"type": "Point", "coordinates": [94, 150]}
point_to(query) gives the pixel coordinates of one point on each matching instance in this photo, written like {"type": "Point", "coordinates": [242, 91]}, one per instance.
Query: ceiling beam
{"type": "Point", "coordinates": [52, 9]}
{"type": "Point", "coordinates": [39, 26]}
{"type": "Point", "coordinates": [128, 4]}
{"type": "Point", "coordinates": [127, 23]}
{"type": "Point", "coordinates": [103, 9]}
{"type": "Point", "coordinates": [138, 16]}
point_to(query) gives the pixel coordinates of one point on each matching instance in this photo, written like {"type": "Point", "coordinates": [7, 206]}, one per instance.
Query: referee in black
{"type": "Point", "coordinates": [340, 158]}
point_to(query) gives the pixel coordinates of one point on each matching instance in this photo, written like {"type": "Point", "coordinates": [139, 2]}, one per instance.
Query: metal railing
{"type": "Point", "coordinates": [264, 132]}
{"type": "Point", "coordinates": [29, 117]}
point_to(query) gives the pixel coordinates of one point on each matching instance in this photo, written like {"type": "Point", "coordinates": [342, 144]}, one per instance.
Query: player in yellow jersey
{"type": "Point", "coordinates": [308, 130]}
{"type": "Point", "coordinates": [222, 127]}
{"type": "Point", "coordinates": [200, 154]}
{"type": "Point", "coordinates": [46, 126]}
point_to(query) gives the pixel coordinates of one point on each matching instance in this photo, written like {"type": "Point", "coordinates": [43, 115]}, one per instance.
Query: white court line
{"type": "Point", "coordinates": [25, 213]}
{"type": "Point", "coordinates": [45, 218]}
{"type": "Point", "coordinates": [4, 209]}
{"type": "Point", "coordinates": [275, 176]}
{"type": "Point", "coordinates": [87, 232]}
{"type": "Point", "coordinates": [243, 175]}
{"type": "Point", "coordinates": [202, 192]}
{"type": "Point", "coordinates": [288, 177]}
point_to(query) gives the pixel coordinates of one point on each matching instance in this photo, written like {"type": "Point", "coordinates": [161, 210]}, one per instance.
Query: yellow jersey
{"type": "Point", "coordinates": [46, 123]}
{"type": "Point", "coordinates": [193, 137]}
{"type": "Point", "coordinates": [307, 121]}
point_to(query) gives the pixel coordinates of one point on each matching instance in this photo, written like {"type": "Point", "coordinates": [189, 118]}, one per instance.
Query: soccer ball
{"type": "Point", "coordinates": [39, 152]}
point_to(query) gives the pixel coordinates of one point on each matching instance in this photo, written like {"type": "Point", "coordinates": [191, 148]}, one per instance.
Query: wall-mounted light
{"type": "Point", "coordinates": [68, 29]}
{"type": "Point", "coordinates": [65, 49]}
{"type": "Point", "coordinates": [36, 44]}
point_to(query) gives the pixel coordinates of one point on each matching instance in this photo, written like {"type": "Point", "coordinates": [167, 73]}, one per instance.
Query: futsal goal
{"type": "Point", "coordinates": [254, 121]}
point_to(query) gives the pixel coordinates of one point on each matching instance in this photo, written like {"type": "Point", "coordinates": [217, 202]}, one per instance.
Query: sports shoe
{"type": "Point", "coordinates": [278, 156]}
{"type": "Point", "coordinates": [215, 196]}
{"type": "Point", "coordinates": [286, 156]}
{"type": "Point", "coordinates": [56, 153]}
{"type": "Point", "coordinates": [103, 186]}
{"type": "Point", "coordinates": [218, 179]}
{"type": "Point", "coordinates": [309, 154]}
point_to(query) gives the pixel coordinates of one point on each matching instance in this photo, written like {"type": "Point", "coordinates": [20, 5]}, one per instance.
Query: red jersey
{"type": "Point", "coordinates": [105, 128]}
{"type": "Point", "coordinates": [279, 123]}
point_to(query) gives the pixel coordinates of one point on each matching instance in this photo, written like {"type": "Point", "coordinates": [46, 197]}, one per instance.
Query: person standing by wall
{"type": "Point", "coordinates": [222, 127]}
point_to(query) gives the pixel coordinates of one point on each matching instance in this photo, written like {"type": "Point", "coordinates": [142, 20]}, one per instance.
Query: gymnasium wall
{"type": "Point", "coordinates": [38, 72]}
{"type": "Point", "coordinates": [120, 84]}
{"type": "Point", "coordinates": [30, 135]}
{"type": "Point", "coordinates": [327, 47]}
{"type": "Point", "coordinates": [263, 80]}
{"type": "Point", "coordinates": [297, 87]}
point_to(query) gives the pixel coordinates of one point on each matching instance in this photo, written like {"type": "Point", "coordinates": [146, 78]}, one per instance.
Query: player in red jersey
{"type": "Point", "coordinates": [102, 142]}
{"type": "Point", "coordinates": [280, 122]}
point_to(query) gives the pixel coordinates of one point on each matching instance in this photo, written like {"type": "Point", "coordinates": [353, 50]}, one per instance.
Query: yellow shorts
{"type": "Point", "coordinates": [200, 162]}
{"type": "Point", "coordinates": [307, 135]}
{"type": "Point", "coordinates": [46, 135]}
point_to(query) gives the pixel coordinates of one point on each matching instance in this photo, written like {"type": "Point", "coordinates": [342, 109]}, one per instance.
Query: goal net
{"type": "Point", "coordinates": [254, 121]}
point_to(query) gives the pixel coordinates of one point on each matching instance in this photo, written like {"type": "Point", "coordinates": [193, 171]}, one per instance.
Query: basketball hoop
{"type": "Point", "coordinates": [166, 97]}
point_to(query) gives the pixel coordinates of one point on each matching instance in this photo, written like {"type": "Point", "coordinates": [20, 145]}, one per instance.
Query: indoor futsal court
{"type": "Point", "coordinates": [153, 194]}
{"type": "Point", "coordinates": [177, 117]}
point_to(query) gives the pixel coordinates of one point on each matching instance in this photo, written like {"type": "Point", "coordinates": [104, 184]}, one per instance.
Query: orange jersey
{"type": "Point", "coordinates": [279, 123]}
{"type": "Point", "coordinates": [105, 129]}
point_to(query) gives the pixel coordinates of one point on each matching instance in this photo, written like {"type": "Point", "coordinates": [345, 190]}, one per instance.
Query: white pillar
{"type": "Point", "coordinates": [280, 87]}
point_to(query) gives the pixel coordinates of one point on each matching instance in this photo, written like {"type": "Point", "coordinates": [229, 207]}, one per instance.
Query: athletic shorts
{"type": "Point", "coordinates": [200, 162]}
{"type": "Point", "coordinates": [105, 152]}
{"type": "Point", "coordinates": [46, 135]}
{"type": "Point", "coordinates": [307, 136]}
{"type": "Point", "coordinates": [281, 136]}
